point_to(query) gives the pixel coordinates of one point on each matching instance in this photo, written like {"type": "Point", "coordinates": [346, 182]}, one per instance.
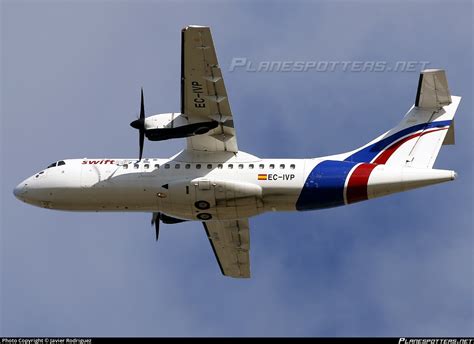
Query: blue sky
{"type": "Point", "coordinates": [70, 81]}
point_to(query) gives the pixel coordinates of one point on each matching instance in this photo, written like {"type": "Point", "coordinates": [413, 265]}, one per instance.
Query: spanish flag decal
{"type": "Point", "coordinates": [262, 177]}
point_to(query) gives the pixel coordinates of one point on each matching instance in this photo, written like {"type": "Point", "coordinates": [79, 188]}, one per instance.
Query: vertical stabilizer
{"type": "Point", "coordinates": [417, 139]}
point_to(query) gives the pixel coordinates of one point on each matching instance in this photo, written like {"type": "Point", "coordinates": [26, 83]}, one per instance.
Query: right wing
{"type": "Point", "coordinates": [203, 93]}
{"type": "Point", "coordinates": [230, 241]}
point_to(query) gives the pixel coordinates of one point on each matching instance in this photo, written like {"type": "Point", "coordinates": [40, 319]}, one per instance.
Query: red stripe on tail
{"type": "Point", "coordinates": [357, 185]}
{"type": "Point", "coordinates": [386, 154]}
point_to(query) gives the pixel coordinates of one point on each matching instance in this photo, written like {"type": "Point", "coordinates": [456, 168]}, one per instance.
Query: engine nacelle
{"type": "Point", "coordinates": [174, 125]}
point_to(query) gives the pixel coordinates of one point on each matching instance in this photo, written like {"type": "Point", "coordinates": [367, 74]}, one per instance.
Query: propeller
{"type": "Point", "coordinates": [140, 125]}
{"type": "Point", "coordinates": [155, 220]}
{"type": "Point", "coordinates": [166, 219]}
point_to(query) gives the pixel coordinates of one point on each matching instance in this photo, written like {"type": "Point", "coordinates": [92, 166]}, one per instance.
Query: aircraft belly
{"type": "Point", "coordinates": [281, 199]}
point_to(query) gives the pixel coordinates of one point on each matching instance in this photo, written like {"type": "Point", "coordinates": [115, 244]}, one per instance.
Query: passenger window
{"type": "Point", "coordinates": [251, 166]}
{"type": "Point", "coordinates": [147, 166]}
{"type": "Point", "coordinates": [209, 166]}
{"type": "Point", "coordinates": [272, 166]}
{"type": "Point", "coordinates": [187, 166]}
{"type": "Point", "coordinates": [282, 166]}
{"type": "Point", "coordinates": [231, 166]}
{"type": "Point", "coordinates": [292, 166]}
{"type": "Point", "coordinates": [241, 166]}
{"type": "Point", "coordinates": [177, 166]}
{"type": "Point", "coordinates": [261, 166]}
{"type": "Point", "coordinates": [167, 166]}
{"type": "Point", "coordinates": [219, 166]}
{"type": "Point", "coordinates": [198, 166]}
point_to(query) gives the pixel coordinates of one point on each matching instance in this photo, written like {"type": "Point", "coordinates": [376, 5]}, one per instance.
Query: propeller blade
{"type": "Point", "coordinates": [139, 124]}
{"type": "Point", "coordinates": [155, 220]}
{"type": "Point", "coordinates": [142, 107]}
{"type": "Point", "coordinates": [157, 229]}
{"type": "Point", "coordinates": [141, 139]}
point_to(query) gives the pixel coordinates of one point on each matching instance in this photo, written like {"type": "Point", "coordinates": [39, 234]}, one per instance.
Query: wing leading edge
{"type": "Point", "coordinates": [203, 93]}
{"type": "Point", "coordinates": [230, 241]}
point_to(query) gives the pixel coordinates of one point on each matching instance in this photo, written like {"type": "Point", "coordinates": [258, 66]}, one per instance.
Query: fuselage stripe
{"type": "Point", "coordinates": [357, 186]}
{"type": "Point", "coordinates": [367, 154]}
{"type": "Point", "coordinates": [332, 183]}
{"type": "Point", "coordinates": [387, 153]}
{"type": "Point", "coordinates": [324, 186]}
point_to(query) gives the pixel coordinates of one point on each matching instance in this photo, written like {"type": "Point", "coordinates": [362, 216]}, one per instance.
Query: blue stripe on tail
{"type": "Point", "coordinates": [368, 153]}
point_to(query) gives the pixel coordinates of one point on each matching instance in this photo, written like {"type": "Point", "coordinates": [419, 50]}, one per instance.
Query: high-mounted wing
{"type": "Point", "coordinates": [203, 93]}
{"type": "Point", "coordinates": [230, 241]}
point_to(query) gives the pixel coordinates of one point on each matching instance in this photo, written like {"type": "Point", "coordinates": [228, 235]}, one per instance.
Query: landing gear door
{"type": "Point", "coordinates": [177, 199]}
{"type": "Point", "coordinates": [205, 199]}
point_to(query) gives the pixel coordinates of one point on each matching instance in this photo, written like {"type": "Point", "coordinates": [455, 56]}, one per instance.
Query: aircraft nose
{"type": "Point", "coordinates": [20, 190]}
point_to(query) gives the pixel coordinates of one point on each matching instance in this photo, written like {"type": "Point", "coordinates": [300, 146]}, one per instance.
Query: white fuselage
{"type": "Point", "coordinates": [210, 186]}
{"type": "Point", "coordinates": [172, 186]}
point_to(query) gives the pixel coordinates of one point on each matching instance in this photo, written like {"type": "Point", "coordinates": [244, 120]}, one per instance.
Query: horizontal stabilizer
{"type": "Point", "coordinates": [450, 135]}
{"type": "Point", "coordinates": [433, 91]}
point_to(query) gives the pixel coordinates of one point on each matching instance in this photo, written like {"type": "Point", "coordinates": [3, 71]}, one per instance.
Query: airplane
{"type": "Point", "coordinates": [213, 182]}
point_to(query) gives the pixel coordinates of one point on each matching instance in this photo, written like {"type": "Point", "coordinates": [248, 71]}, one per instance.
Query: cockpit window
{"type": "Point", "coordinates": [57, 163]}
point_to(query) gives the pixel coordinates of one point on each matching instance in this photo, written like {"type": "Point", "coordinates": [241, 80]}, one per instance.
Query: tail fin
{"type": "Point", "coordinates": [417, 139]}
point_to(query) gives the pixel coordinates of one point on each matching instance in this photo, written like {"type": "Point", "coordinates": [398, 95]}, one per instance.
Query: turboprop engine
{"type": "Point", "coordinates": [167, 126]}
{"type": "Point", "coordinates": [174, 125]}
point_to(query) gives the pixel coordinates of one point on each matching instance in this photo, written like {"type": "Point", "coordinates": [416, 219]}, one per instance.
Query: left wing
{"type": "Point", "coordinates": [203, 93]}
{"type": "Point", "coordinates": [230, 241]}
